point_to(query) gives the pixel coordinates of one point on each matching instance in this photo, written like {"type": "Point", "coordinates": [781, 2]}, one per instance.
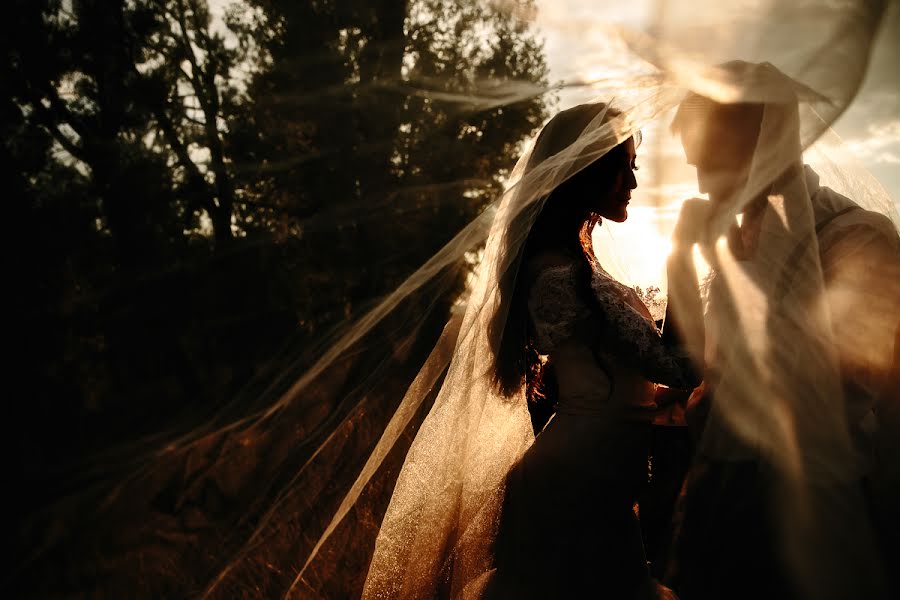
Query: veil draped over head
{"type": "Point", "coordinates": [772, 351]}
{"type": "Point", "coordinates": [383, 464]}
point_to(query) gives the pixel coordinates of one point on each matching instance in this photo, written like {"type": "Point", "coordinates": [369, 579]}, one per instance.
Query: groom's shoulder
{"type": "Point", "coordinates": [859, 232]}
{"type": "Point", "coordinates": [838, 213]}
{"type": "Point", "coordinates": [858, 219]}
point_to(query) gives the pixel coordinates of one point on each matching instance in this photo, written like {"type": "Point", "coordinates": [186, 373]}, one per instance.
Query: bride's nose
{"type": "Point", "coordinates": [631, 180]}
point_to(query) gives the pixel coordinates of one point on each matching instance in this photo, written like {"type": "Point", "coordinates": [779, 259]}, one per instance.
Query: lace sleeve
{"type": "Point", "coordinates": [636, 341]}
{"type": "Point", "coordinates": [554, 306]}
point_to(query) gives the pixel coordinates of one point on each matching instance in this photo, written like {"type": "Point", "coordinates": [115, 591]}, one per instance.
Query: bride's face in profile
{"type": "Point", "coordinates": [612, 202]}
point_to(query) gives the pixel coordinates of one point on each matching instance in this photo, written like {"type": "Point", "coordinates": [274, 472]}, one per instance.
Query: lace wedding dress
{"type": "Point", "coordinates": [568, 528]}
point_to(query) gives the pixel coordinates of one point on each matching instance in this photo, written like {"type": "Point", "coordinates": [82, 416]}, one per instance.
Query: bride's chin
{"type": "Point", "coordinates": [618, 217]}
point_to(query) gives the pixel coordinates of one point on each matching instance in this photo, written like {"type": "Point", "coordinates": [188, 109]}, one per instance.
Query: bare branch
{"type": "Point", "coordinates": [67, 144]}
{"type": "Point", "coordinates": [189, 78]}
{"type": "Point", "coordinates": [195, 121]}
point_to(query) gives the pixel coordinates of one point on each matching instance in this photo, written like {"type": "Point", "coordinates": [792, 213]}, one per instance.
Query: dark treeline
{"type": "Point", "coordinates": [191, 191]}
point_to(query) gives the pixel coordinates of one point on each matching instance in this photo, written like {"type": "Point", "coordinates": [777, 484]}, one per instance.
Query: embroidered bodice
{"type": "Point", "coordinates": [603, 342]}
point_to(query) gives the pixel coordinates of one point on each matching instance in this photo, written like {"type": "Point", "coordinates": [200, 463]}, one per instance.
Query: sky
{"type": "Point", "coordinates": [573, 32]}
{"type": "Point", "coordinates": [871, 126]}
{"type": "Point", "coordinates": [577, 47]}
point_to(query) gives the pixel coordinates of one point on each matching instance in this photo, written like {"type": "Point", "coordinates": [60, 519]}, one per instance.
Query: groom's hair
{"type": "Point", "coordinates": [714, 125]}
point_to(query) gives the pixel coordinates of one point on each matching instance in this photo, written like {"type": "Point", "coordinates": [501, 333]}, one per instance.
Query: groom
{"type": "Point", "coordinates": [728, 542]}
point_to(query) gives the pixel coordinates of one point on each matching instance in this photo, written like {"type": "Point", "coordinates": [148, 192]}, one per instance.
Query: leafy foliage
{"type": "Point", "coordinates": [194, 187]}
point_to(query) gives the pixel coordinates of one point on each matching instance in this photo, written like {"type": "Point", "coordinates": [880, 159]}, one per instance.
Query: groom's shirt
{"type": "Point", "coordinates": [860, 257]}
{"type": "Point", "coordinates": [859, 253]}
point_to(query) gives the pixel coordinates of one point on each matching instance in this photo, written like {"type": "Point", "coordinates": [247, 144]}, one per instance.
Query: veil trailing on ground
{"type": "Point", "coordinates": [380, 470]}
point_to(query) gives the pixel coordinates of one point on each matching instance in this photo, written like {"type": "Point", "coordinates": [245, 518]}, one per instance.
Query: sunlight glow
{"type": "Point", "coordinates": [635, 251]}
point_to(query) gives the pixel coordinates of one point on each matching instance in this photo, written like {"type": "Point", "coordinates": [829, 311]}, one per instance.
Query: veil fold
{"type": "Point", "coordinates": [383, 465]}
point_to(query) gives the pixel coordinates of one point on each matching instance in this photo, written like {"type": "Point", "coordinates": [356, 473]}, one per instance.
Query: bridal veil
{"type": "Point", "coordinates": [396, 492]}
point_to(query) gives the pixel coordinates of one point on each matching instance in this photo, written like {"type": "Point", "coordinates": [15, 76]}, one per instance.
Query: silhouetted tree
{"type": "Point", "coordinates": [367, 132]}
{"type": "Point", "coordinates": [189, 193]}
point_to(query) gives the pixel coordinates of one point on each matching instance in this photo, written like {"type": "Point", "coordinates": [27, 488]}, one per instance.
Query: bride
{"type": "Point", "coordinates": [480, 510]}
{"type": "Point", "coordinates": [578, 335]}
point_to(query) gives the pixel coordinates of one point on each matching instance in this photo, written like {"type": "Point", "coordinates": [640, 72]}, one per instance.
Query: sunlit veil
{"type": "Point", "coordinates": [399, 495]}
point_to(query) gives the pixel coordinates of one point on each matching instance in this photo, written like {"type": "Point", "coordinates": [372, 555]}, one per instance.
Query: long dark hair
{"type": "Point", "coordinates": [561, 224]}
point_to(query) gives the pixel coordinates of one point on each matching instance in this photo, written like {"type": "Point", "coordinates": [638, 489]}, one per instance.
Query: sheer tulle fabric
{"type": "Point", "coordinates": [314, 518]}
{"type": "Point", "coordinates": [778, 392]}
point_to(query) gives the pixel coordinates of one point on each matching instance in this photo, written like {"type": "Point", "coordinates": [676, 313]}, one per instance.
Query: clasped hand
{"type": "Point", "coordinates": [693, 223]}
